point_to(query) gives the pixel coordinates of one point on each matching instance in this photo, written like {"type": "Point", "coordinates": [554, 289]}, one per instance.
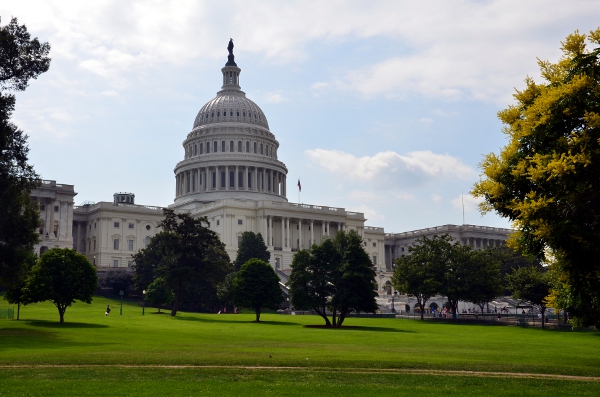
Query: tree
{"type": "Point", "coordinates": [118, 280]}
{"type": "Point", "coordinates": [14, 294]}
{"type": "Point", "coordinates": [336, 275]}
{"type": "Point", "coordinates": [533, 285]}
{"type": "Point", "coordinates": [356, 284]}
{"type": "Point", "coordinates": [257, 286]}
{"type": "Point", "coordinates": [62, 276]}
{"type": "Point", "coordinates": [225, 291]}
{"type": "Point", "coordinates": [485, 282]}
{"type": "Point", "coordinates": [185, 253]}
{"type": "Point", "coordinates": [21, 59]}
{"type": "Point", "coordinates": [546, 180]}
{"type": "Point", "coordinates": [421, 272]}
{"type": "Point", "coordinates": [159, 293]}
{"type": "Point", "coordinates": [252, 246]}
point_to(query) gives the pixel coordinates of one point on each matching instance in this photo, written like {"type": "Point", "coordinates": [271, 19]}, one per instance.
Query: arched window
{"type": "Point", "coordinates": [231, 146]}
{"type": "Point", "coordinates": [218, 114]}
{"type": "Point", "coordinates": [244, 114]}
{"type": "Point", "coordinates": [247, 147]}
{"type": "Point", "coordinates": [147, 242]}
{"type": "Point", "coordinates": [207, 147]}
{"type": "Point", "coordinates": [261, 148]}
{"type": "Point", "coordinates": [201, 146]}
{"type": "Point", "coordinates": [267, 150]}
{"type": "Point", "coordinates": [195, 150]}
{"type": "Point", "coordinates": [231, 178]}
{"type": "Point", "coordinates": [238, 114]}
{"type": "Point", "coordinates": [215, 147]}
{"type": "Point", "coordinates": [255, 147]}
{"type": "Point", "coordinates": [223, 146]}
{"type": "Point", "coordinates": [239, 146]}
{"type": "Point", "coordinates": [231, 113]}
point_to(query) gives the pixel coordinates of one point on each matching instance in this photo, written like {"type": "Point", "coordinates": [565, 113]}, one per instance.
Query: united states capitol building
{"type": "Point", "coordinates": [231, 174]}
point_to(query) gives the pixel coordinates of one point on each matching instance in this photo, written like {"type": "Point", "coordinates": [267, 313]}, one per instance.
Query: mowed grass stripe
{"type": "Point", "coordinates": [322, 369]}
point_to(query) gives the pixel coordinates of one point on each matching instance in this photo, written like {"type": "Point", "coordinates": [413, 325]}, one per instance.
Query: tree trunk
{"type": "Point", "coordinates": [61, 313]}
{"type": "Point", "coordinates": [342, 317]}
{"type": "Point", "coordinates": [422, 306]}
{"type": "Point", "coordinates": [543, 317]}
{"type": "Point", "coordinates": [333, 317]}
{"type": "Point", "coordinates": [176, 304]}
{"type": "Point", "coordinates": [18, 310]}
{"type": "Point", "coordinates": [324, 315]}
{"type": "Point", "coordinates": [257, 311]}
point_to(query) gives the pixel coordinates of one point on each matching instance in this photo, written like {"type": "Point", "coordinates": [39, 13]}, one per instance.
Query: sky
{"type": "Point", "coordinates": [381, 107]}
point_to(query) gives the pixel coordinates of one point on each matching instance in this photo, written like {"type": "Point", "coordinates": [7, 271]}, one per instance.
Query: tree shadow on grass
{"type": "Point", "coordinates": [56, 324]}
{"type": "Point", "coordinates": [359, 328]}
{"type": "Point", "coordinates": [20, 338]}
{"type": "Point", "coordinates": [223, 319]}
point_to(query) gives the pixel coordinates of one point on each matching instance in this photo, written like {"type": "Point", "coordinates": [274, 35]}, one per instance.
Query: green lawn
{"type": "Point", "coordinates": [127, 355]}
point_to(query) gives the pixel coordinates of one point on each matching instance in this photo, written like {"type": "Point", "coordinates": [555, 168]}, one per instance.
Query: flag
{"type": "Point", "coordinates": [299, 186]}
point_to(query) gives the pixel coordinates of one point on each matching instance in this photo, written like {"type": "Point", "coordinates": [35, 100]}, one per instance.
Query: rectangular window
{"type": "Point", "coordinates": [214, 180]}
{"type": "Point", "coordinates": [277, 265]}
{"type": "Point", "coordinates": [94, 226]}
{"type": "Point", "coordinates": [223, 146]}
{"type": "Point", "coordinates": [249, 180]}
{"type": "Point", "coordinates": [248, 147]}
{"type": "Point", "coordinates": [94, 245]}
{"type": "Point", "coordinates": [42, 208]}
{"type": "Point", "coordinates": [116, 243]}
{"type": "Point", "coordinates": [254, 147]}
{"type": "Point", "coordinates": [239, 222]}
{"type": "Point", "coordinates": [231, 146]}
{"type": "Point", "coordinates": [240, 179]}
{"type": "Point", "coordinates": [374, 244]}
{"type": "Point", "coordinates": [222, 178]}
{"type": "Point", "coordinates": [117, 224]}
{"type": "Point", "coordinates": [130, 245]}
{"type": "Point", "coordinates": [374, 260]}
{"type": "Point", "coordinates": [201, 147]}
{"type": "Point", "coordinates": [218, 223]}
{"type": "Point", "coordinates": [131, 225]}
{"type": "Point", "coordinates": [231, 178]}
{"type": "Point", "coordinates": [115, 263]}
{"type": "Point", "coordinates": [239, 240]}
{"type": "Point", "coordinates": [207, 147]}
{"type": "Point", "coordinates": [56, 208]}
{"type": "Point", "coordinates": [215, 147]}
{"type": "Point", "coordinates": [239, 146]}
{"type": "Point", "coordinates": [129, 263]}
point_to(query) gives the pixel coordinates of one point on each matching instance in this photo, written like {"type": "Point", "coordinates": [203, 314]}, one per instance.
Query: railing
{"type": "Point", "coordinates": [448, 228]}
{"type": "Point", "coordinates": [108, 205]}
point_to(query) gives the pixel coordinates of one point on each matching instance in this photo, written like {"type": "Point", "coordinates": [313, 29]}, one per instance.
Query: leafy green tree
{"type": "Point", "coordinates": [225, 291]}
{"type": "Point", "coordinates": [14, 294]}
{"type": "Point", "coordinates": [485, 282]}
{"type": "Point", "coordinates": [257, 286]}
{"type": "Point", "coordinates": [252, 246]}
{"type": "Point", "coordinates": [421, 273]}
{"type": "Point", "coordinates": [118, 280]}
{"type": "Point", "coordinates": [21, 59]}
{"type": "Point", "coordinates": [546, 179]}
{"type": "Point", "coordinates": [533, 285]}
{"type": "Point", "coordinates": [62, 276]}
{"type": "Point", "coordinates": [159, 293]}
{"type": "Point", "coordinates": [336, 275]}
{"type": "Point", "coordinates": [356, 279]}
{"type": "Point", "coordinates": [185, 253]}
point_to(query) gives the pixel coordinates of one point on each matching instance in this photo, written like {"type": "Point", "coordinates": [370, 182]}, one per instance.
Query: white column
{"type": "Point", "coordinates": [227, 181]}
{"type": "Point", "coordinates": [312, 231]}
{"type": "Point", "coordinates": [77, 241]}
{"type": "Point", "coordinates": [282, 233]}
{"type": "Point", "coordinates": [265, 229]}
{"type": "Point", "coordinates": [322, 230]}
{"type": "Point", "coordinates": [287, 232]}
{"type": "Point", "coordinates": [299, 233]}
{"type": "Point", "coordinates": [327, 227]}
{"type": "Point", "coordinates": [270, 218]}
{"type": "Point", "coordinates": [245, 181]}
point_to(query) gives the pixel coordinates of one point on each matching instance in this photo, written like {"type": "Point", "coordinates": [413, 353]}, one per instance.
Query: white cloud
{"type": "Point", "coordinates": [362, 196]}
{"type": "Point", "coordinates": [405, 196]}
{"type": "Point", "coordinates": [109, 93]}
{"type": "Point", "coordinates": [412, 169]}
{"type": "Point", "coordinates": [470, 203]}
{"type": "Point", "coordinates": [275, 97]}
{"type": "Point", "coordinates": [436, 198]}
{"type": "Point", "coordinates": [426, 120]}
{"type": "Point", "coordinates": [370, 213]}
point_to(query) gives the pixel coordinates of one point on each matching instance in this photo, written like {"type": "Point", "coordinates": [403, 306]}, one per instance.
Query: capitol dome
{"type": "Point", "coordinates": [230, 151]}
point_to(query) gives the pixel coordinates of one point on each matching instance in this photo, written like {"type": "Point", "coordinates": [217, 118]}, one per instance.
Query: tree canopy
{"type": "Point", "coordinates": [257, 286]}
{"type": "Point", "coordinates": [185, 253]}
{"type": "Point", "coordinates": [421, 273]}
{"type": "Point", "coordinates": [61, 276]}
{"type": "Point", "coordinates": [21, 59]}
{"type": "Point", "coordinates": [252, 246]}
{"type": "Point", "coordinates": [532, 285]}
{"type": "Point", "coordinates": [336, 276]}
{"type": "Point", "coordinates": [546, 180]}
{"type": "Point", "coordinates": [159, 293]}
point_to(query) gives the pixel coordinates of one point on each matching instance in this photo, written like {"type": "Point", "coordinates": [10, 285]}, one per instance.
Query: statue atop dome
{"type": "Point", "coordinates": [230, 57]}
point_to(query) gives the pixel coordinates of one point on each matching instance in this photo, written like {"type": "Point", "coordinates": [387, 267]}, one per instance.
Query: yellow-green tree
{"type": "Point", "coordinates": [546, 180]}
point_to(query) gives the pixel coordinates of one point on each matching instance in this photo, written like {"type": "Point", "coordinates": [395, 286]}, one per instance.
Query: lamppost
{"type": "Point", "coordinates": [121, 293]}
{"type": "Point", "coordinates": [394, 297]}
{"type": "Point", "coordinates": [381, 276]}
{"type": "Point", "coordinates": [143, 301]}
{"type": "Point", "coordinates": [94, 260]}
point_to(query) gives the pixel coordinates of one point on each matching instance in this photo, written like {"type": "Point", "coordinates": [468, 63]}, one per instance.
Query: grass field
{"type": "Point", "coordinates": [204, 354]}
